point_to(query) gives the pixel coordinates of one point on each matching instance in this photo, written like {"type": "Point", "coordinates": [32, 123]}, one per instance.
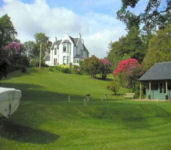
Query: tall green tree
{"type": "Point", "coordinates": [43, 42]}
{"type": "Point", "coordinates": [154, 15]}
{"type": "Point", "coordinates": [92, 66]}
{"type": "Point", "coordinates": [30, 49]}
{"type": "Point", "coordinates": [130, 46]}
{"type": "Point", "coordinates": [159, 48]}
{"type": "Point", "coordinates": [7, 35]}
{"type": "Point", "coordinates": [7, 31]}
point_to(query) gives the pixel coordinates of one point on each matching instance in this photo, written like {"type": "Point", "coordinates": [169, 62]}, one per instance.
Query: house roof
{"type": "Point", "coordinates": [56, 43]}
{"type": "Point", "coordinates": [159, 71]}
{"type": "Point", "coordinates": [85, 49]}
{"type": "Point", "coordinates": [74, 40]}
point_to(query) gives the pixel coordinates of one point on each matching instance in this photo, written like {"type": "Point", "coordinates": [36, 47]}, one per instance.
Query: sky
{"type": "Point", "coordinates": [96, 20]}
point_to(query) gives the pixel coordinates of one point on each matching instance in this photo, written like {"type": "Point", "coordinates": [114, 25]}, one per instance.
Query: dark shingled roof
{"type": "Point", "coordinates": [159, 71]}
{"type": "Point", "coordinates": [74, 40]}
{"type": "Point", "coordinates": [56, 43]}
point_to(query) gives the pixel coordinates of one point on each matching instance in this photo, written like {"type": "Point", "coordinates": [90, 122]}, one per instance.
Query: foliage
{"type": "Point", "coordinates": [66, 69]}
{"type": "Point", "coordinates": [129, 71]}
{"type": "Point", "coordinates": [126, 66]}
{"type": "Point", "coordinates": [92, 66]}
{"type": "Point", "coordinates": [155, 15]}
{"type": "Point", "coordinates": [130, 46]}
{"type": "Point", "coordinates": [13, 48]}
{"type": "Point", "coordinates": [13, 53]}
{"type": "Point", "coordinates": [159, 48]}
{"type": "Point", "coordinates": [7, 31]}
{"type": "Point", "coordinates": [7, 35]}
{"type": "Point", "coordinates": [29, 49]}
{"type": "Point", "coordinates": [105, 68]}
{"type": "Point", "coordinates": [4, 64]}
{"type": "Point", "coordinates": [42, 41]}
{"type": "Point", "coordinates": [114, 87]}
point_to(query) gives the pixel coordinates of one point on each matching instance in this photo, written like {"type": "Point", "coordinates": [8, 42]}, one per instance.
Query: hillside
{"type": "Point", "coordinates": [46, 120]}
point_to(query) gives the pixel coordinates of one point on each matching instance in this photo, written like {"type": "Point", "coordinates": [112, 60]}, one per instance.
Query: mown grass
{"type": "Point", "coordinates": [46, 120]}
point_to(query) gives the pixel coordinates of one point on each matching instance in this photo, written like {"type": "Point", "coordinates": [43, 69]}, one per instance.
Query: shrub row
{"type": "Point", "coordinates": [66, 69]}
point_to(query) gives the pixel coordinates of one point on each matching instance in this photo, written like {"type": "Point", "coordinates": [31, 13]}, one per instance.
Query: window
{"type": "Point", "coordinates": [76, 60]}
{"type": "Point", "coordinates": [161, 87]}
{"type": "Point", "coordinates": [64, 48]}
{"type": "Point", "coordinates": [65, 60]}
{"type": "Point", "coordinates": [169, 85]}
{"type": "Point", "coordinates": [164, 87]}
{"type": "Point", "coordinates": [154, 85]}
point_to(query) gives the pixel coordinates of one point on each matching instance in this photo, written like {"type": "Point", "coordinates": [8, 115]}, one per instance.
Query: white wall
{"type": "Point", "coordinates": [78, 50]}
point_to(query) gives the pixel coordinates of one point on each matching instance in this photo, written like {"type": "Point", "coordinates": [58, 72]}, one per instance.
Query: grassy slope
{"type": "Point", "coordinates": [45, 120]}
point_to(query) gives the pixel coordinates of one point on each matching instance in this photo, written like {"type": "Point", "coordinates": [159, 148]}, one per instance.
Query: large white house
{"type": "Point", "coordinates": [67, 51]}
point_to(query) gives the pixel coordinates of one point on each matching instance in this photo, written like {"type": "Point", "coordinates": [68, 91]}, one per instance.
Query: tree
{"type": "Point", "coordinates": [7, 31]}
{"type": "Point", "coordinates": [129, 71]}
{"type": "Point", "coordinates": [130, 46]}
{"type": "Point", "coordinates": [105, 68]}
{"type": "Point", "coordinates": [29, 48]}
{"type": "Point", "coordinates": [92, 66]}
{"type": "Point", "coordinates": [42, 41]}
{"type": "Point", "coordinates": [154, 15]}
{"type": "Point", "coordinates": [7, 35]}
{"type": "Point", "coordinates": [159, 48]}
{"type": "Point", "coordinates": [13, 52]}
{"type": "Point", "coordinates": [13, 48]}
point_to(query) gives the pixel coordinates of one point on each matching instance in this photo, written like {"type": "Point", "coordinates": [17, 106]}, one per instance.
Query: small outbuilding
{"type": "Point", "coordinates": [157, 82]}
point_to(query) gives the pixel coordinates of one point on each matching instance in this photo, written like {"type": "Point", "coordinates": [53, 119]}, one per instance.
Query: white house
{"type": "Point", "coordinates": [67, 51]}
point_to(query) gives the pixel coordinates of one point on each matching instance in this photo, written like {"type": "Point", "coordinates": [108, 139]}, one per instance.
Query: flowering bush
{"type": "Point", "coordinates": [12, 52]}
{"type": "Point", "coordinates": [13, 47]}
{"type": "Point", "coordinates": [129, 71]}
{"type": "Point", "coordinates": [126, 66]}
{"type": "Point", "coordinates": [105, 67]}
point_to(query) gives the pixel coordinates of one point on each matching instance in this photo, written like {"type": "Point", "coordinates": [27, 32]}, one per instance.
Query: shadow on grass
{"type": "Point", "coordinates": [17, 132]}
{"type": "Point", "coordinates": [19, 73]}
{"type": "Point", "coordinates": [39, 103]}
{"type": "Point", "coordinates": [132, 116]}
{"type": "Point", "coordinates": [107, 79]}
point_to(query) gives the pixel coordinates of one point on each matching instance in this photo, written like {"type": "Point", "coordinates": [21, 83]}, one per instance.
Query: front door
{"type": "Point", "coordinates": [55, 62]}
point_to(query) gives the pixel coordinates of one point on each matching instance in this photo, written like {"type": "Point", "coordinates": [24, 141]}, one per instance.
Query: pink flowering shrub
{"type": "Point", "coordinates": [129, 71]}
{"type": "Point", "coordinates": [126, 66]}
{"type": "Point", "coordinates": [105, 68]}
{"type": "Point", "coordinates": [13, 48]}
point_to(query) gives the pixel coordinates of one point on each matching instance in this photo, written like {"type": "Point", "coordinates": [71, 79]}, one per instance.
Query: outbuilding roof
{"type": "Point", "coordinates": [159, 71]}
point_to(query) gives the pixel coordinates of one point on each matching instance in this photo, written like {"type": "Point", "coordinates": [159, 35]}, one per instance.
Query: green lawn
{"type": "Point", "coordinates": [46, 120]}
